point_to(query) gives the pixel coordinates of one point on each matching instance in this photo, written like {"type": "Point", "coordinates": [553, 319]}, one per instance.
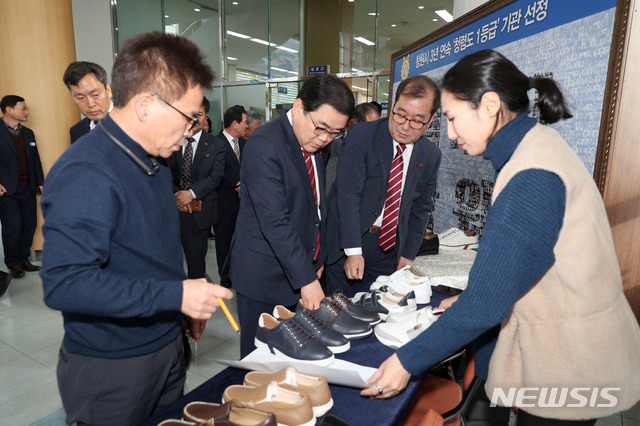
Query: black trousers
{"type": "Point", "coordinates": [100, 391]}
{"type": "Point", "coordinates": [224, 230]}
{"type": "Point", "coordinates": [19, 221]}
{"type": "Point", "coordinates": [195, 243]}
{"type": "Point", "coordinates": [376, 263]}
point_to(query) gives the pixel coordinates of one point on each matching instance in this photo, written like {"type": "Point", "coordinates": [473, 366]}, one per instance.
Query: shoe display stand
{"type": "Point", "coordinates": [348, 404]}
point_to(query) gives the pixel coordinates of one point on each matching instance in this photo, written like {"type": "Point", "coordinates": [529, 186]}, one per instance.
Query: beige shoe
{"type": "Point", "coordinates": [316, 388]}
{"type": "Point", "coordinates": [231, 413]}
{"type": "Point", "coordinates": [290, 408]}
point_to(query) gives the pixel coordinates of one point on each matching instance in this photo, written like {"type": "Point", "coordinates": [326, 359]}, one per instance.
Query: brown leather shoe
{"type": "Point", "coordinates": [231, 413]}
{"type": "Point", "coordinates": [316, 388]}
{"type": "Point", "coordinates": [290, 408]}
{"type": "Point", "coordinates": [29, 267]}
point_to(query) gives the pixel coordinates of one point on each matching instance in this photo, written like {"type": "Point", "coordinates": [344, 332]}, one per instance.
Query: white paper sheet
{"type": "Point", "coordinates": [341, 372]}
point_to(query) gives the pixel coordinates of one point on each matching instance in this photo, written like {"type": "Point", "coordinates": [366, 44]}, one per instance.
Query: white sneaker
{"type": "Point", "coordinates": [457, 239]}
{"type": "Point", "coordinates": [396, 334]}
{"type": "Point", "coordinates": [405, 281]}
{"type": "Point", "coordinates": [384, 304]}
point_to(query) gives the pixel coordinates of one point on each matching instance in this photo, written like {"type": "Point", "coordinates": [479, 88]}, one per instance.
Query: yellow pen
{"type": "Point", "coordinates": [228, 314]}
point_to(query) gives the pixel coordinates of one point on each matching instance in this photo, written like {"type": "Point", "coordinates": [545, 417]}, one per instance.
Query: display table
{"type": "Point", "coordinates": [347, 402]}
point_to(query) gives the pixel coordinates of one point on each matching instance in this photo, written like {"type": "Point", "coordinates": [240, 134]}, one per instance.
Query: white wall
{"type": "Point", "coordinates": [93, 35]}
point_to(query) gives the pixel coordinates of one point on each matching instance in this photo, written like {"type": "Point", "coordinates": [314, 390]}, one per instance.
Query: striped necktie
{"type": "Point", "coordinates": [387, 240]}
{"type": "Point", "coordinates": [312, 178]}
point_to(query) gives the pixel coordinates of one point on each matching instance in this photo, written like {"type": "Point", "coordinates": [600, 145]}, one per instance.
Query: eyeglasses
{"type": "Point", "coordinates": [24, 108]}
{"type": "Point", "coordinates": [414, 124]}
{"type": "Point", "coordinates": [321, 131]}
{"type": "Point", "coordinates": [192, 120]}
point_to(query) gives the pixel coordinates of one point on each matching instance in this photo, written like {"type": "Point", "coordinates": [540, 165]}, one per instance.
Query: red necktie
{"type": "Point", "coordinates": [312, 178]}
{"type": "Point", "coordinates": [387, 240]}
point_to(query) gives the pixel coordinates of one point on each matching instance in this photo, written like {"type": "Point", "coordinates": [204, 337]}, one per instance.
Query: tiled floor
{"type": "Point", "coordinates": [30, 336]}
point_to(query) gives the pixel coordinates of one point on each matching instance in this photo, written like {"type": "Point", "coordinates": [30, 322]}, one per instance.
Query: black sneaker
{"type": "Point", "coordinates": [5, 279]}
{"type": "Point", "coordinates": [288, 340]}
{"type": "Point", "coordinates": [339, 320]}
{"type": "Point", "coordinates": [320, 331]}
{"type": "Point", "coordinates": [354, 310]}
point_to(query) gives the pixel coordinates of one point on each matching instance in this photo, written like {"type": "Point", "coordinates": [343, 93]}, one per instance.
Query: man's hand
{"type": "Point", "coordinates": [2, 190]}
{"type": "Point", "coordinates": [194, 327]}
{"type": "Point", "coordinates": [446, 303]}
{"type": "Point", "coordinates": [354, 267]}
{"type": "Point", "coordinates": [390, 377]}
{"type": "Point", "coordinates": [312, 295]}
{"type": "Point", "coordinates": [404, 262]}
{"type": "Point", "coordinates": [183, 198]}
{"type": "Point", "coordinates": [319, 271]}
{"type": "Point", "coordinates": [199, 298]}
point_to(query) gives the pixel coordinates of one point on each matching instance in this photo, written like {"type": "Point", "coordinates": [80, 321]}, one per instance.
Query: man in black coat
{"type": "Point", "coordinates": [21, 178]}
{"type": "Point", "coordinates": [204, 177]}
{"type": "Point", "coordinates": [235, 126]}
{"type": "Point", "coordinates": [89, 89]}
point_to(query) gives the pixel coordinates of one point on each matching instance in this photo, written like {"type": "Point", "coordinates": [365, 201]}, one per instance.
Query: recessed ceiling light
{"type": "Point", "coordinates": [351, 1]}
{"type": "Point", "coordinates": [197, 10]}
{"type": "Point", "coordinates": [235, 3]}
{"type": "Point", "coordinates": [287, 49]}
{"type": "Point", "coordinates": [420, 7]}
{"type": "Point", "coordinates": [364, 40]}
{"type": "Point", "coordinates": [393, 25]}
{"type": "Point", "coordinates": [435, 19]}
{"type": "Point", "coordinates": [231, 58]}
{"type": "Point", "coordinates": [232, 33]}
{"type": "Point", "coordinates": [372, 14]}
{"type": "Point", "coordinates": [166, 16]}
{"type": "Point", "coordinates": [266, 43]}
{"type": "Point", "coordinates": [444, 15]}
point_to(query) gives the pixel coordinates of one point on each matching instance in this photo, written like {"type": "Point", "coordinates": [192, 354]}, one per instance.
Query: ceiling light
{"type": "Point", "coordinates": [287, 49]}
{"type": "Point", "coordinates": [197, 10]}
{"type": "Point", "coordinates": [372, 14]}
{"type": "Point", "coordinates": [364, 40]}
{"type": "Point", "coordinates": [444, 15]}
{"type": "Point", "coordinates": [351, 1]}
{"type": "Point", "coordinates": [266, 43]}
{"type": "Point", "coordinates": [235, 3]}
{"type": "Point", "coordinates": [283, 70]}
{"type": "Point", "coordinates": [435, 19]}
{"type": "Point", "coordinates": [238, 35]}
{"type": "Point", "coordinates": [231, 58]}
{"type": "Point", "coordinates": [420, 7]}
{"type": "Point", "coordinates": [393, 25]}
{"type": "Point", "coordinates": [166, 16]}
{"type": "Point", "coordinates": [358, 87]}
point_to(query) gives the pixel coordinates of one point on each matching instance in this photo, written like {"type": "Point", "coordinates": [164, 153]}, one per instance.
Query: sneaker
{"type": "Point", "coordinates": [388, 291]}
{"type": "Point", "coordinates": [288, 340]}
{"type": "Point", "coordinates": [320, 331]}
{"type": "Point", "coordinates": [457, 239]}
{"type": "Point", "coordinates": [405, 281]}
{"type": "Point", "coordinates": [396, 334]}
{"type": "Point", "coordinates": [338, 319]}
{"type": "Point", "coordinates": [383, 305]}
{"type": "Point", "coordinates": [354, 310]}
{"type": "Point", "coordinates": [316, 388]}
{"type": "Point", "coordinates": [5, 279]}
{"type": "Point", "coordinates": [229, 413]}
{"type": "Point", "coordinates": [290, 408]}
{"type": "Point", "coordinates": [430, 244]}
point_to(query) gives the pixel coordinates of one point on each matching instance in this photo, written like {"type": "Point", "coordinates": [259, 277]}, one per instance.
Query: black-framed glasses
{"type": "Point", "coordinates": [192, 120]}
{"type": "Point", "coordinates": [321, 131]}
{"type": "Point", "coordinates": [414, 124]}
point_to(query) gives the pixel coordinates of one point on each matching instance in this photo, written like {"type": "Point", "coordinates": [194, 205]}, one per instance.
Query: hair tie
{"type": "Point", "coordinates": [530, 83]}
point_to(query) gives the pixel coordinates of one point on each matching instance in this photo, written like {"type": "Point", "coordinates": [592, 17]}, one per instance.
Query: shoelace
{"type": "Point", "coordinates": [296, 331]}
{"type": "Point", "coordinates": [313, 321]}
{"type": "Point", "coordinates": [341, 300]}
{"type": "Point", "coordinates": [449, 232]}
{"type": "Point", "coordinates": [331, 306]}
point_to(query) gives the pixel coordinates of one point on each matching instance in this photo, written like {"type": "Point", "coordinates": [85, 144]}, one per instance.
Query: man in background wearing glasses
{"type": "Point", "coordinates": [112, 258]}
{"type": "Point", "coordinates": [277, 255]}
{"type": "Point", "coordinates": [383, 194]}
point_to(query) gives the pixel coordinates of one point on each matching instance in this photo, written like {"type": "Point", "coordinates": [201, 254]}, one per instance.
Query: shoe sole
{"type": "Point", "coordinates": [311, 422]}
{"type": "Point", "coordinates": [340, 349]}
{"type": "Point", "coordinates": [358, 335]}
{"type": "Point", "coordinates": [459, 247]}
{"type": "Point", "coordinates": [321, 362]}
{"type": "Point", "coordinates": [391, 344]}
{"type": "Point", "coordinates": [321, 410]}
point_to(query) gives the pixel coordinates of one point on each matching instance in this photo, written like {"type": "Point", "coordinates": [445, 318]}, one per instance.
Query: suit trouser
{"type": "Point", "coordinates": [18, 213]}
{"type": "Point", "coordinates": [101, 391]}
{"type": "Point", "coordinates": [224, 230]}
{"type": "Point", "coordinates": [195, 243]}
{"type": "Point", "coordinates": [376, 263]}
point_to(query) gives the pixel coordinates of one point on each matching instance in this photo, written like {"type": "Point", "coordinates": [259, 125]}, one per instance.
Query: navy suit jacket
{"type": "Point", "coordinates": [9, 163]}
{"type": "Point", "coordinates": [273, 246]}
{"type": "Point", "coordinates": [206, 176]}
{"type": "Point", "coordinates": [359, 192]}
{"type": "Point", "coordinates": [79, 129]}
{"type": "Point", "coordinates": [228, 201]}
